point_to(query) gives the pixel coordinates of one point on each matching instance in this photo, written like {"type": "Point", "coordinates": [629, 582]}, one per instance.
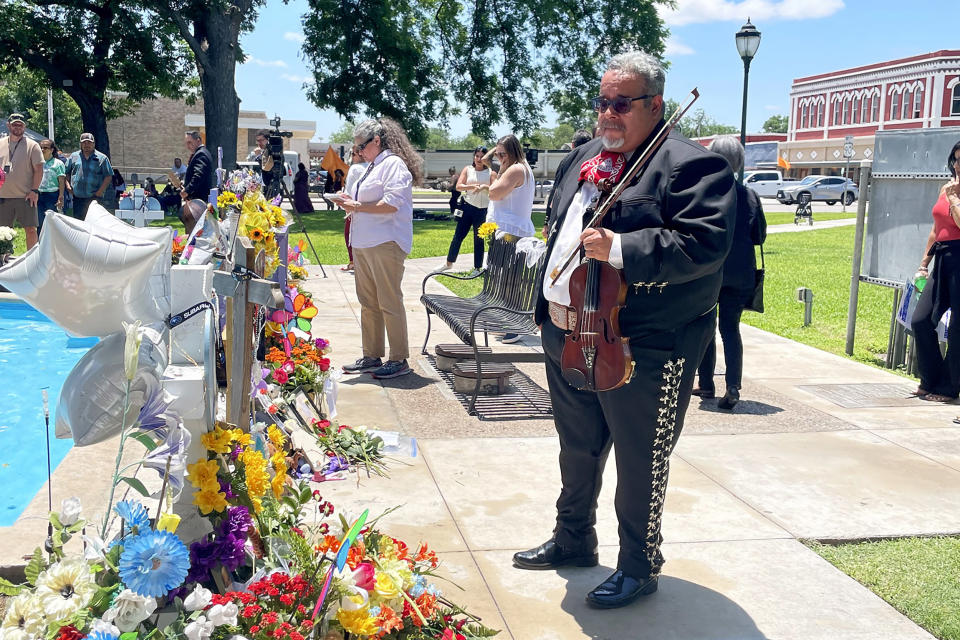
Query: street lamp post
{"type": "Point", "coordinates": [748, 41]}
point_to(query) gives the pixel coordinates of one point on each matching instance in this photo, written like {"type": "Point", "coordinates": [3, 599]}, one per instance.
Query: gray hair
{"type": "Point", "coordinates": [730, 149]}
{"type": "Point", "coordinates": [642, 65]}
{"type": "Point", "coordinates": [393, 137]}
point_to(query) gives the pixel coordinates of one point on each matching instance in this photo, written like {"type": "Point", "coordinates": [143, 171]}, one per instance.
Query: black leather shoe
{"type": "Point", "coordinates": [550, 555]}
{"type": "Point", "coordinates": [620, 590]}
{"type": "Point", "coordinates": [730, 399]}
{"type": "Point", "coordinates": [705, 394]}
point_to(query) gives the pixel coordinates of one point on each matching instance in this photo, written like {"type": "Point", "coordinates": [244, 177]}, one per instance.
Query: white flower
{"type": "Point", "coordinates": [131, 349]}
{"type": "Point", "coordinates": [65, 588]}
{"type": "Point", "coordinates": [198, 599]}
{"type": "Point", "coordinates": [129, 610]}
{"type": "Point", "coordinates": [104, 628]}
{"type": "Point", "coordinates": [354, 598]}
{"type": "Point", "coordinates": [24, 618]}
{"type": "Point", "coordinates": [199, 629]}
{"type": "Point", "coordinates": [221, 614]}
{"type": "Point", "coordinates": [69, 511]}
{"type": "Point", "coordinates": [94, 549]}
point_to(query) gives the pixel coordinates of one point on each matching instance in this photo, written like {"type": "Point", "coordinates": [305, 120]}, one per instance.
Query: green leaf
{"type": "Point", "coordinates": [102, 598]}
{"type": "Point", "coordinates": [55, 520]}
{"type": "Point", "coordinates": [35, 566]}
{"type": "Point", "coordinates": [137, 486]}
{"type": "Point", "coordinates": [145, 440]}
{"type": "Point", "coordinates": [76, 526]}
{"type": "Point", "coordinates": [7, 588]}
{"type": "Point", "coordinates": [130, 635]}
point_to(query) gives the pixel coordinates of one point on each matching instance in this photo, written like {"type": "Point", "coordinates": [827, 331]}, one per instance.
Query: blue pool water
{"type": "Point", "coordinates": [34, 353]}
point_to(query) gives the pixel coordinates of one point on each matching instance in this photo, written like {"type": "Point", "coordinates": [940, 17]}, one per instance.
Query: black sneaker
{"type": "Point", "coordinates": [392, 369]}
{"type": "Point", "coordinates": [510, 338]}
{"type": "Point", "coordinates": [363, 365]}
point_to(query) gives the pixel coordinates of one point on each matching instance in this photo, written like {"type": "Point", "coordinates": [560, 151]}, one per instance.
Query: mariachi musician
{"type": "Point", "coordinates": [668, 235]}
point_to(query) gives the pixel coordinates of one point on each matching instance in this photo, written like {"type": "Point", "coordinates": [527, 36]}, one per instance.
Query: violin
{"type": "Point", "coordinates": [595, 356]}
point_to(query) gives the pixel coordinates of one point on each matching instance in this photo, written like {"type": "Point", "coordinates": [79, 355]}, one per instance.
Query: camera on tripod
{"type": "Point", "coordinates": [531, 155]}
{"type": "Point", "coordinates": [275, 143]}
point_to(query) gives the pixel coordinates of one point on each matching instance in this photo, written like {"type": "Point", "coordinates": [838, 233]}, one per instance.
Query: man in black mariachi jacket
{"type": "Point", "coordinates": [669, 233]}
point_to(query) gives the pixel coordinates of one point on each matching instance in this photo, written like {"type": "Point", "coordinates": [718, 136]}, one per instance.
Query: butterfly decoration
{"type": "Point", "coordinates": [341, 558]}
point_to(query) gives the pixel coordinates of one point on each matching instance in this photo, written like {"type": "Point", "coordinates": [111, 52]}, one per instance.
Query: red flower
{"type": "Point", "coordinates": [324, 528]}
{"type": "Point", "coordinates": [270, 617]}
{"type": "Point", "coordinates": [70, 632]}
{"type": "Point", "coordinates": [272, 409]}
{"type": "Point", "coordinates": [255, 628]}
{"type": "Point", "coordinates": [294, 635]}
{"type": "Point", "coordinates": [280, 376]}
{"type": "Point", "coordinates": [273, 591]}
{"type": "Point", "coordinates": [297, 531]}
{"type": "Point", "coordinates": [324, 364]}
{"type": "Point", "coordinates": [251, 611]}
{"type": "Point", "coordinates": [286, 599]}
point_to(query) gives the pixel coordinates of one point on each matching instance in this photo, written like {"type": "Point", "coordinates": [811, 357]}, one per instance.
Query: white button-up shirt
{"type": "Point", "coordinates": [387, 179]}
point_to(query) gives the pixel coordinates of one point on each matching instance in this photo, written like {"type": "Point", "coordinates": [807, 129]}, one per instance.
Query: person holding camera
{"type": "Point", "coordinates": [381, 208]}
{"type": "Point", "coordinates": [475, 201]}
{"type": "Point", "coordinates": [262, 155]}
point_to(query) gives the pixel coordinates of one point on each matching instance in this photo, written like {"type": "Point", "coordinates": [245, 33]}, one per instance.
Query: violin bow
{"type": "Point", "coordinates": [641, 162]}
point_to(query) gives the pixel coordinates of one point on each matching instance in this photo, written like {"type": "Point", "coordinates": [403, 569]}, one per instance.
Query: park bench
{"type": "Point", "coordinates": [504, 305]}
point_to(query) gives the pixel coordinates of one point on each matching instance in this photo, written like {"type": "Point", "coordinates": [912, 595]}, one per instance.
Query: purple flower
{"type": "Point", "coordinates": [231, 551]}
{"type": "Point", "coordinates": [226, 489]}
{"type": "Point", "coordinates": [203, 557]}
{"type": "Point", "coordinates": [236, 523]}
{"type": "Point", "coordinates": [336, 463]}
{"type": "Point", "coordinates": [235, 454]}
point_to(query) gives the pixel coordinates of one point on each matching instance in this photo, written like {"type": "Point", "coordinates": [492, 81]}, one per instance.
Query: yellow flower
{"type": "Point", "coordinates": [278, 484]}
{"type": "Point", "coordinates": [386, 587]}
{"type": "Point", "coordinates": [276, 436]}
{"type": "Point", "coordinates": [168, 522]}
{"type": "Point", "coordinates": [255, 470]}
{"type": "Point", "coordinates": [486, 230]}
{"type": "Point", "coordinates": [241, 438]}
{"type": "Point", "coordinates": [203, 474]}
{"type": "Point", "coordinates": [209, 500]}
{"type": "Point", "coordinates": [226, 199]}
{"type": "Point", "coordinates": [217, 440]}
{"type": "Point", "coordinates": [256, 234]}
{"type": "Point", "coordinates": [358, 622]}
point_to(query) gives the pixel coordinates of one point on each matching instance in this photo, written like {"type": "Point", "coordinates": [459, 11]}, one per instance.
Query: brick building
{"type": "Point", "coordinates": [147, 140]}
{"type": "Point", "coordinates": [910, 93]}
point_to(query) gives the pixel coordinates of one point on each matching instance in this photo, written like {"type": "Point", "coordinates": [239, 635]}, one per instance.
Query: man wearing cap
{"type": "Point", "coordinates": [89, 175]}
{"type": "Point", "coordinates": [23, 165]}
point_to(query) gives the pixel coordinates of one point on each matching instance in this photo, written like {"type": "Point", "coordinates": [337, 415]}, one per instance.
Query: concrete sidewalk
{"type": "Point", "coordinates": [820, 447]}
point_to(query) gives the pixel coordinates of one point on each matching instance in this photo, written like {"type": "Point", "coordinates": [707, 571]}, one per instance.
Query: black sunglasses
{"type": "Point", "coordinates": [480, 149]}
{"type": "Point", "coordinates": [620, 104]}
{"type": "Point", "coordinates": [361, 147]}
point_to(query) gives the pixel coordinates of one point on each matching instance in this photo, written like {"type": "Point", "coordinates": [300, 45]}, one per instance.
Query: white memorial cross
{"type": "Point", "coordinates": [142, 209]}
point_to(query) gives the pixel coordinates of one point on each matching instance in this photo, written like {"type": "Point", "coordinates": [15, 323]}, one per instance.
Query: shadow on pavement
{"type": "Point", "coordinates": [680, 610]}
{"type": "Point", "coordinates": [410, 381]}
{"type": "Point", "coordinates": [751, 407]}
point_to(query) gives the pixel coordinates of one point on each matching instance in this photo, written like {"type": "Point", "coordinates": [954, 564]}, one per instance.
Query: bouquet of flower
{"type": "Point", "coordinates": [487, 231]}
{"type": "Point", "coordinates": [350, 446]}
{"type": "Point", "coordinates": [179, 243]}
{"type": "Point", "coordinates": [259, 220]}
{"type": "Point", "coordinates": [7, 236]}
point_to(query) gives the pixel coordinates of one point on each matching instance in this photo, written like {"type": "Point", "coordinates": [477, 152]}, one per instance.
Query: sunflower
{"type": "Point", "coordinates": [65, 588]}
{"type": "Point", "coordinates": [256, 234]}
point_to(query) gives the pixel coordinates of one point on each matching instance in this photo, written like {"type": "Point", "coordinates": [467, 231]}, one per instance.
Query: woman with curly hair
{"type": "Point", "coordinates": [380, 204]}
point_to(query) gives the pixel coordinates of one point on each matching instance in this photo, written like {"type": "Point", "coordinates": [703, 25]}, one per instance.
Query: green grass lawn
{"type": "Point", "coordinates": [917, 576]}
{"type": "Point", "coordinates": [786, 217]}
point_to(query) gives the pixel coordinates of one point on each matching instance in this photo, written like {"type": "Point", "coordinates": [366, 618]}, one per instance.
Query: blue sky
{"type": "Point", "coordinates": [800, 38]}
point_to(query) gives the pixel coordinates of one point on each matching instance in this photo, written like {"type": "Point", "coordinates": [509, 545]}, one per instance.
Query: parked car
{"type": "Point", "coordinates": [766, 183]}
{"type": "Point", "coordinates": [543, 188]}
{"type": "Point", "coordinates": [827, 189]}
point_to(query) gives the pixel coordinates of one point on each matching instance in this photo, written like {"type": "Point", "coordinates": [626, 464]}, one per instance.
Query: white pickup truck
{"type": "Point", "coordinates": [765, 183]}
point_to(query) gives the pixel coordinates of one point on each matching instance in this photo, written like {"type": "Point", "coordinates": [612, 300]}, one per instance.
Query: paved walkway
{"type": "Point", "coordinates": [800, 458]}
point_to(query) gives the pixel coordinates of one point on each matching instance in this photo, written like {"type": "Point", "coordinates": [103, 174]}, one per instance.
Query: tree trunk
{"type": "Point", "coordinates": [94, 118]}
{"type": "Point", "coordinates": [221, 106]}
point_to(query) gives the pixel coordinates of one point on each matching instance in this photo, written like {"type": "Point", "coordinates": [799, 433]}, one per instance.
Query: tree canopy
{"type": "Point", "coordinates": [697, 123]}
{"type": "Point", "coordinates": [776, 124]}
{"type": "Point", "coordinates": [418, 61]}
{"type": "Point", "coordinates": [88, 47]}
{"type": "Point", "coordinates": [25, 90]}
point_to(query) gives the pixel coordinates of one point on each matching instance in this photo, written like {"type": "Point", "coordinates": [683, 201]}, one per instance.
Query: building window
{"type": "Point", "coordinates": [836, 112]}
{"type": "Point", "coordinates": [955, 102]}
{"type": "Point", "coordinates": [845, 116]}
{"type": "Point", "coordinates": [918, 104]}
{"type": "Point", "coordinates": [803, 117]}
{"type": "Point", "coordinates": [876, 108]}
{"type": "Point", "coordinates": [820, 116]}
{"type": "Point", "coordinates": [906, 105]}
{"type": "Point", "coordinates": [865, 110]}
{"type": "Point", "coordinates": [895, 106]}
{"type": "Point", "coordinates": [855, 116]}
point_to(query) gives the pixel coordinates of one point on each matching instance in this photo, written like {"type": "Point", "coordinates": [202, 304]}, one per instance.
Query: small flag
{"type": "Point", "coordinates": [782, 163]}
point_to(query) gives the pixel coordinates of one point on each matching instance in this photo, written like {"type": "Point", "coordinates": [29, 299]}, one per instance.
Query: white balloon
{"type": "Point", "coordinates": [100, 218]}
{"type": "Point", "coordinates": [92, 397]}
{"type": "Point", "coordinates": [89, 280]}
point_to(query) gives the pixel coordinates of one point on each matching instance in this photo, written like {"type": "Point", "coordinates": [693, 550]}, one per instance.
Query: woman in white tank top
{"type": "Point", "coordinates": [511, 194]}
{"type": "Point", "coordinates": [471, 183]}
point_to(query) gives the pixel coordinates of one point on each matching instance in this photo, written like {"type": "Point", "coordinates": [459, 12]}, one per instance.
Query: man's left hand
{"type": "Point", "coordinates": [597, 243]}
{"type": "Point", "coordinates": [32, 198]}
{"type": "Point", "coordinates": [184, 195]}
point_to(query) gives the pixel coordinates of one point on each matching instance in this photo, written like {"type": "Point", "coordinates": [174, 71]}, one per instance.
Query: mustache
{"type": "Point", "coordinates": [612, 125]}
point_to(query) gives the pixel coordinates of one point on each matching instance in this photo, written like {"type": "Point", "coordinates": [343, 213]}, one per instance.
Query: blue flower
{"type": "Point", "coordinates": [154, 563]}
{"type": "Point", "coordinates": [134, 516]}
{"type": "Point", "coordinates": [101, 635]}
{"type": "Point", "coordinates": [419, 586]}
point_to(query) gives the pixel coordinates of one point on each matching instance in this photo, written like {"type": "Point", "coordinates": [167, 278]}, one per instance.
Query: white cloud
{"type": "Point", "coordinates": [772, 107]}
{"type": "Point", "coordinates": [295, 78]}
{"type": "Point", "coordinates": [693, 11]}
{"type": "Point", "coordinates": [676, 48]}
{"type": "Point", "coordinates": [280, 64]}
{"type": "Point", "coordinates": [294, 37]}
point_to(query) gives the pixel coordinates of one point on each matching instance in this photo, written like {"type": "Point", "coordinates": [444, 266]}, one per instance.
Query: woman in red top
{"type": "Point", "coordinates": [939, 376]}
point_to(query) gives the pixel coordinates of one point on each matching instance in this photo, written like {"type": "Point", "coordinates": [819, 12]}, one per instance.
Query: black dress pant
{"type": "Point", "coordinates": [643, 419]}
{"type": "Point", "coordinates": [939, 374]}
{"type": "Point", "coordinates": [472, 217]}
{"type": "Point", "coordinates": [730, 307]}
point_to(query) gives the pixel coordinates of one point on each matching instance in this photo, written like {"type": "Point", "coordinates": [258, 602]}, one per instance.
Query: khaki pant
{"type": "Point", "coordinates": [378, 272]}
